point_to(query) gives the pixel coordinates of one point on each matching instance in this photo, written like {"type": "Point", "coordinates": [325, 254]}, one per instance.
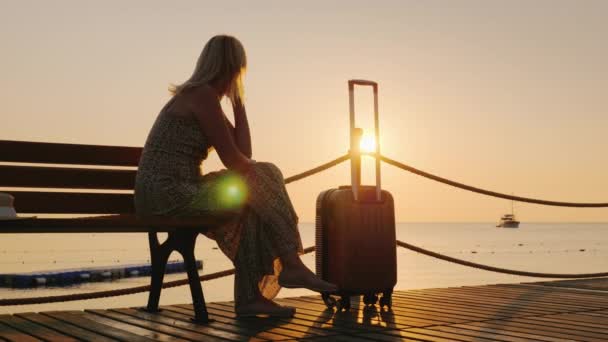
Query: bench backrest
{"type": "Point", "coordinates": [92, 173]}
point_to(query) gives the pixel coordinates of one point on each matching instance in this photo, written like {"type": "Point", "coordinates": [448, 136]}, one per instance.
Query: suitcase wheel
{"type": "Point", "coordinates": [387, 299]}
{"type": "Point", "coordinates": [343, 304]}
{"type": "Point", "coordinates": [370, 299]}
{"type": "Point", "coordinates": [329, 301]}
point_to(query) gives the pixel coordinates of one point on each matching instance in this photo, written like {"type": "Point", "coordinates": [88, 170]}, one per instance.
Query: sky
{"type": "Point", "coordinates": [509, 96]}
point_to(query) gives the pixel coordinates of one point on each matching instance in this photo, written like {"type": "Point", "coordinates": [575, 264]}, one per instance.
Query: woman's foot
{"type": "Point", "coordinates": [262, 306]}
{"type": "Point", "coordinates": [302, 277]}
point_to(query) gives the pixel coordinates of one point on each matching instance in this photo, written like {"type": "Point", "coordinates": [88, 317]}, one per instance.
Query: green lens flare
{"type": "Point", "coordinates": [232, 192]}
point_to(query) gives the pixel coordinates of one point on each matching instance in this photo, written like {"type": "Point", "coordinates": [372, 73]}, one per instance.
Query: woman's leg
{"type": "Point", "coordinates": [265, 242]}
{"type": "Point", "coordinates": [270, 240]}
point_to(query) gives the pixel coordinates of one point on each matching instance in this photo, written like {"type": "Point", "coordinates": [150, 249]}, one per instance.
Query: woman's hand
{"type": "Point", "coordinates": [238, 108]}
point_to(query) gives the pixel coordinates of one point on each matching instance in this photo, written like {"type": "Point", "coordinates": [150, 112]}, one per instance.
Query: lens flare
{"type": "Point", "coordinates": [232, 192]}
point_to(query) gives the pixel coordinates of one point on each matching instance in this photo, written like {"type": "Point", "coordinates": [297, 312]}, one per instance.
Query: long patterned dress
{"type": "Point", "coordinates": [170, 182]}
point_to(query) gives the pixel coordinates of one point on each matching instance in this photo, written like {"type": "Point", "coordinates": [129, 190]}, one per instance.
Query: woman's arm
{"type": "Point", "coordinates": [241, 129]}
{"type": "Point", "coordinates": [213, 123]}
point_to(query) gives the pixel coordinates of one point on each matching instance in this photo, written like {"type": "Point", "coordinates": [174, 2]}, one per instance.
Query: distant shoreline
{"type": "Point", "coordinates": [488, 222]}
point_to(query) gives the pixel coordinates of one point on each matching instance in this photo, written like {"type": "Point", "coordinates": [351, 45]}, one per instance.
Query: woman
{"type": "Point", "coordinates": [264, 244]}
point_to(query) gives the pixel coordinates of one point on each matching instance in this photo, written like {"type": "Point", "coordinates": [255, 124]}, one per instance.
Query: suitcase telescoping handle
{"type": "Point", "coordinates": [355, 137]}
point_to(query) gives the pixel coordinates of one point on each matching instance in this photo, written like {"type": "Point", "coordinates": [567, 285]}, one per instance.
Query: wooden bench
{"type": "Point", "coordinates": [92, 167]}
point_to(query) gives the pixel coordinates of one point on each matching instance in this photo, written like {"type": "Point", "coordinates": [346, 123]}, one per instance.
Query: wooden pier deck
{"type": "Point", "coordinates": [545, 311]}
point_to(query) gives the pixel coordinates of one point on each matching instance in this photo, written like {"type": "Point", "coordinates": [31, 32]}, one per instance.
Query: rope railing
{"type": "Point", "coordinates": [109, 293]}
{"type": "Point", "coordinates": [216, 275]}
{"type": "Point", "coordinates": [498, 269]}
{"type": "Point", "coordinates": [487, 192]}
{"type": "Point", "coordinates": [317, 169]}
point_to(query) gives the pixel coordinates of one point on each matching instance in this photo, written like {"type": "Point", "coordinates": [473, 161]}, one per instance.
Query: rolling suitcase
{"type": "Point", "coordinates": [355, 230]}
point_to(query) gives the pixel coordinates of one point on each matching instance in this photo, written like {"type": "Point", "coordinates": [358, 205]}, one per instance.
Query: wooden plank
{"type": "Point", "coordinates": [114, 224]}
{"type": "Point", "coordinates": [503, 332]}
{"type": "Point", "coordinates": [64, 328]}
{"type": "Point", "coordinates": [157, 336]}
{"type": "Point", "coordinates": [588, 283]}
{"type": "Point", "coordinates": [112, 330]}
{"type": "Point", "coordinates": [153, 326]}
{"type": "Point", "coordinates": [264, 324]}
{"type": "Point", "coordinates": [294, 323]}
{"type": "Point", "coordinates": [337, 338]}
{"type": "Point", "coordinates": [58, 153]}
{"type": "Point", "coordinates": [594, 313]}
{"type": "Point", "coordinates": [428, 316]}
{"type": "Point", "coordinates": [434, 309]}
{"type": "Point", "coordinates": [451, 335]}
{"type": "Point", "coordinates": [220, 326]}
{"type": "Point", "coordinates": [507, 325]}
{"type": "Point", "coordinates": [477, 305]}
{"type": "Point", "coordinates": [542, 304]}
{"type": "Point", "coordinates": [494, 335]}
{"type": "Point", "coordinates": [430, 335]}
{"type": "Point", "coordinates": [35, 330]}
{"type": "Point", "coordinates": [298, 325]}
{"type": "Point", "coordinates": [403, 336]}
{"type": "Point", "coordinates": [447, 314]}
{"type": "Point", "coordinates": [392, 318]}
{"type": "Point", "coordinates": [481, 315]}
{"type": "Point", "coordinates": [72, 202]}
{"type": "Point", "coordinates": [440, 312]}
{"type": "Point", "coordinates": [568, 291]}
{"type": "Point", "coordinates": [8, 333]}
{"type": "Point", "coordinates": [66, 178]}
{"type": "Point", "coordinates": [202, 330]}
{"type": "Point", "coordinates": [349, 319]}
{"type": "Point", "coordinates": [543, 295]}
{"type": "Point", "coordinates": [227, 325]}
{"type": "Point", "coordinates": [570, 328]}
{"type": "Point", "coordinates": [588, 326]}
{"type": "Point", "coordinates": [470, 309]}
{"type": "Point", "coordinates": [570, 295]}
{"type": "Point", "coordinates": [344, 320]}
{"type": "Point", "coordinates": [581, 318]}
{"type": "Point", "coordinates": [312, 317]}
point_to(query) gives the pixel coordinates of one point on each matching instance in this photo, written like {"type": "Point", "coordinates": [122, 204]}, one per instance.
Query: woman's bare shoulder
{"type": "Point", "coordinates": [192, 101]}
{"type": "Point", "coordinates": [200, 98]}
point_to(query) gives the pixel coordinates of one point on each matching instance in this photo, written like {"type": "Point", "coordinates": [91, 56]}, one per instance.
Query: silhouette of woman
{"type": "Point", "coordinates": [264, 243]}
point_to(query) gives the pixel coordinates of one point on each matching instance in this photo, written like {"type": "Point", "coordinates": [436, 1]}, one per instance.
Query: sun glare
{"type": "Point", "coordinates": [367, 144]}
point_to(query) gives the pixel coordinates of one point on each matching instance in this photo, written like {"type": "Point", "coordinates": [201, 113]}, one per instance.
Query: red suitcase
{"type": "Point", "coordinates": [355, 230]}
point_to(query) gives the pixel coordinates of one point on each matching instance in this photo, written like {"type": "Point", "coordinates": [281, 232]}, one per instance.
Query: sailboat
{"type": "Point", "coordinates": [508, 220]}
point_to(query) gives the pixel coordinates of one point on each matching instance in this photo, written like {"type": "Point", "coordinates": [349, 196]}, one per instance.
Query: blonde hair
{"type": "Point", "coordinates": [222, 56]}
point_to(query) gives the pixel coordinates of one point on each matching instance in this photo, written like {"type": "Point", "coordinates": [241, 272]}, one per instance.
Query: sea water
{"type": "Point", "coordinates": [538, 247]}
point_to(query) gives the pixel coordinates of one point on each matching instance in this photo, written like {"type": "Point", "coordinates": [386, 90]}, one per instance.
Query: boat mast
{"type": "Point", "coordinates": [512, 214]}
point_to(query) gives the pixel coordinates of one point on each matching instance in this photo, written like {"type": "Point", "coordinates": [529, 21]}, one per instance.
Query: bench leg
{"type": "Point", "coordinates": [159, 254]}
{"type": "Point", "coordinates": [187, 242]}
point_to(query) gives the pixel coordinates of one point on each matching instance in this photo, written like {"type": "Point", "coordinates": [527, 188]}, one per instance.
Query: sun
{"type": "Point", "coordinates": [367, 143]}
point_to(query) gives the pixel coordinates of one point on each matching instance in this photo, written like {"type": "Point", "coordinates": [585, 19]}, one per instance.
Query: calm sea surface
{"type": "Point", "coordinates": [550, 247]}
